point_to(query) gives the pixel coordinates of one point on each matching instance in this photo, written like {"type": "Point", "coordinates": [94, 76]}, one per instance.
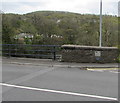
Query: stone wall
{"type": "Point", "coordinates": [89, 54]}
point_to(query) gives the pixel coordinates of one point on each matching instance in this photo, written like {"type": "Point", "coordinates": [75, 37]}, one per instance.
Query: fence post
{"type": "Point", "coordinates": [54, 53]}
{"type": "Point", "coordinates": [9, 51]}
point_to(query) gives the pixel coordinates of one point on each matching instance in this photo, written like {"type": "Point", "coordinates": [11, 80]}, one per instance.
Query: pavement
{"type": "Point", "coordinates": [57, 63]}
{"type": "Point", "coordinates": [46, 80]}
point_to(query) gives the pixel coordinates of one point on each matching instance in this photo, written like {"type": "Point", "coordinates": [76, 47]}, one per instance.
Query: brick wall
{"type": "Point", "coordinates": [89, 54]}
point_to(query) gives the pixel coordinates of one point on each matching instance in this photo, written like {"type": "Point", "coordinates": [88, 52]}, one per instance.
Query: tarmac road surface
{"type": "Point", "coordinates": [47, 83]}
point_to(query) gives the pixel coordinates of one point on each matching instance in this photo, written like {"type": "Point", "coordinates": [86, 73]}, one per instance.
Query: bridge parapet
{"type": "Point", "coordinates": [89, 54]}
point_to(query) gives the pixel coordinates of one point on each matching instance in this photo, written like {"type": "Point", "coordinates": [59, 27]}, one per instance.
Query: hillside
{"type": "Point", "coordinates": [55, 27]}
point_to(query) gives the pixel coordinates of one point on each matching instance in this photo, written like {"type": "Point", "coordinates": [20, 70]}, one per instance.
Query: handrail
{"type": "Point", "coordinates": [31, 50]}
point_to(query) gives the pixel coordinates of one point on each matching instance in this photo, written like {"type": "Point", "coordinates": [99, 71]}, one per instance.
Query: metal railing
{"type": "Point", "coordinates": [32, 51]}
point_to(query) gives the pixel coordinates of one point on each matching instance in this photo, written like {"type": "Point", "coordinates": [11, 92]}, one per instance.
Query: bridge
{"type": "Point", "coordinates": [46, 79]}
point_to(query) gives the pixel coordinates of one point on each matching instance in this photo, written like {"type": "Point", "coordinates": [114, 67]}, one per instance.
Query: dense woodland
{"type": "Point", "coordinates": [58, 28]}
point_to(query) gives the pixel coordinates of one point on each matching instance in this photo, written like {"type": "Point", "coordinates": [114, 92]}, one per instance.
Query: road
{"type": "Point", "coordinates": [47, 83]}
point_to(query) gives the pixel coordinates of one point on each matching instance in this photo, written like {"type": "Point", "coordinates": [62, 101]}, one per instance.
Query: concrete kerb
{"type": "Point", "coordinates": [50, 63]}
{"type": "Point", "coordinates": [67, 66]}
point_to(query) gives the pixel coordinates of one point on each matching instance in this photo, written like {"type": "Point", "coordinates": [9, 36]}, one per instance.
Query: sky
{"type": "Point", "coordinates": [110, 7]}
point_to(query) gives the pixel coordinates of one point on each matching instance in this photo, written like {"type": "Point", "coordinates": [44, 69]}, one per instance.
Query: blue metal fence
{"type": "Point", "coordinates": [34, 51]}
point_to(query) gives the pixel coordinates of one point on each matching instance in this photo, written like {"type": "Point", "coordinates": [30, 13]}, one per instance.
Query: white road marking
{"type": "Point", "coordinates": [60, 92]}
{"type": "Point", "coordinates": [114, 72]}
{"type": "Point", "coordinates": [96, 70]}
{"type": "Point", "coordinates": [28, 77]}
{"type": "Point", "coordinates": [102, 69]}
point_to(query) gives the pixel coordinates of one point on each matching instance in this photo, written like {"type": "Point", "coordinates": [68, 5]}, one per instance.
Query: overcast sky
{"type": "Point", "coordinates": [110, 7]}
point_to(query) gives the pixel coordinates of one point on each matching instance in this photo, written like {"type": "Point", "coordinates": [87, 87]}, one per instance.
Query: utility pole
{"type": "Point", "coordinates": [100, 41]}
